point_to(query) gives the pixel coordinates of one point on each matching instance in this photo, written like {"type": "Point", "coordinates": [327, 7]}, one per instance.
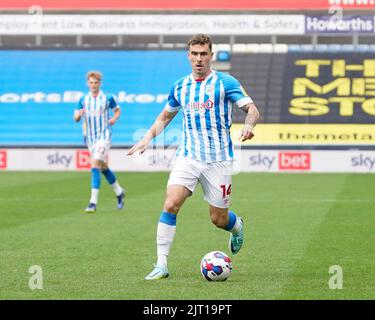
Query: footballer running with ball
{"type": "Point", "coordinates": [206, 98]}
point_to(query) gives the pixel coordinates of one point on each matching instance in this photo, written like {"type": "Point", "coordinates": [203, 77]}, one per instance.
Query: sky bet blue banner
{"type": "Point", "coordinates": [39, 91]}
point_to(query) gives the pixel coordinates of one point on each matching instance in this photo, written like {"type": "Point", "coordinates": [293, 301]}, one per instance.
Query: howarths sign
{"type": "Point", "coordinates": [331, 24]}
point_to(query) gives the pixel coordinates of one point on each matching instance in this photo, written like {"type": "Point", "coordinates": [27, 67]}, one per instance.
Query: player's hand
{"type": "Point", "coordinates": [78, 114]}
{"type": "Point", "coordinates": [140, 145]}
{"type": "Point", "coordinates": [246, 133]}
{"type": "Point", "coordinates": [112, 121]}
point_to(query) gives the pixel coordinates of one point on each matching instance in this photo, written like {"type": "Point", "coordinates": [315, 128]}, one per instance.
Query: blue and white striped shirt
{"type": "Point", "coordinates": [97, 116]}
{"type": "Point", "coordinates": [207, 114]}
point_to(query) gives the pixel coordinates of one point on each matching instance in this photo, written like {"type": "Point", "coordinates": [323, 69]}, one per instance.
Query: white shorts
{"type": "Point", "coordinates": [215, 179]}
{"type": "Point", "coordinates": [100, 150]}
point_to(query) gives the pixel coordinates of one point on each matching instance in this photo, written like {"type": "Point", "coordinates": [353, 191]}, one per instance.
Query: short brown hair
{"type": "Point", "coordinates": [94, 74]}
{"type": "Point", "coordinates": [200, 38]}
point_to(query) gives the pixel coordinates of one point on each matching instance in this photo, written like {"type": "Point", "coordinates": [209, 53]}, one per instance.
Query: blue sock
{"type": "Point", "coordinates": [168, 218]}
{"type": "Point", "coordinates": [232, 221]}
{"type": "Point", "coordinates": [95, 178]}
{"type": "Point", "coordinates": [109, 175]}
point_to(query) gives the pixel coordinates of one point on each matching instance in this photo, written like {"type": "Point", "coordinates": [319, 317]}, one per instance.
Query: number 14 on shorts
{"type": "Point", "coordinates": [227, 189]}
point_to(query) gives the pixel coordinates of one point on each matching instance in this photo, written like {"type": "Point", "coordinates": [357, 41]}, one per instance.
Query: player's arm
{"type": "Point", "coordinates": [161, 122]}
{"type": "Point", "coordinates": [252, 116]}
{"type": "Point", "coordinates": [78, 114]}
{"type": "Point", "coordinates": [237, 94]}
{"type": "Point", "coordinates": [79, 111]}
{"type": "Point", "coordinates": [113, 105]}
{"type": "Point", "coordinates": [116, 115]}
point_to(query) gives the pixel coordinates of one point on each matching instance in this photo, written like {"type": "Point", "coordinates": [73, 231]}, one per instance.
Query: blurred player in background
{"type": "Point", "coordinates": [94, 107]}
{"type": "Point", "coordinates": [206, 98]}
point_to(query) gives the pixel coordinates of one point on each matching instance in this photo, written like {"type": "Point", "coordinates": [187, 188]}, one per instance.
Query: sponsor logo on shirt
{"type": "Point", "coordinates": [200, 105]}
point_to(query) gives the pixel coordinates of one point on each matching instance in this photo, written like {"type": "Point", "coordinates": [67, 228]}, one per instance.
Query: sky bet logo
{"type": "Point", "coordinates": [83, 159]}
{"type": "Point", "coordinates": [259, 160]}
{"type": "Point", "coordinates": [58, 159]}
{"type": "Point", "coordinates": [3, 159]}
{"type": "Point", "coordinates": [363, 161]}
{"type": "Point", "coordinates": [294, 160]}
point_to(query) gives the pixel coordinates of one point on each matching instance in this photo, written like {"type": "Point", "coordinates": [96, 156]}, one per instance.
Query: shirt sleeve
{"type": "Point", "coordinates": [235, 92]}
{"type": "Point", "coordinates": [172, 105]}
{"type": "Point", "coordinates": [112, 102]}
{"type": "Point", "coordinates": [80, 103]}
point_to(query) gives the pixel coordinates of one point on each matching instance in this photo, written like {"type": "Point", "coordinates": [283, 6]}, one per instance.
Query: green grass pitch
{"type": "Point", "coordinates": [296, 227]}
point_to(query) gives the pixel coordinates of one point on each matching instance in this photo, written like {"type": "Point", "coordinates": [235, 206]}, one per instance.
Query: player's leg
{"type": "Point", "coordinates": [111, 179]}
{"type": "Point", "coordinates": [229, 221]}
{"type": "Point", "coordinates": [181, 184]}
{"type": "Point", "coordinates": [95, 185]}
{"type": "Point", "coordinates": [176, 196]}
{"type": "Point", "coordinates": [166, 230]}
{"type": "Point", "coordinates": [99, 154]}
{"type": "Point", "coordinates": [216, 183]}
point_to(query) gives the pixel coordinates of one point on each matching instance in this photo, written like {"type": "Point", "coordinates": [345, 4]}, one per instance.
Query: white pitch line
{"type": "Point", "coordinates": [200, 200]}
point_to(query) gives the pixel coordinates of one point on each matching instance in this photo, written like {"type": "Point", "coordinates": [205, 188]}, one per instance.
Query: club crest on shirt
{"type": "Point", "coordinates": [210, 88]}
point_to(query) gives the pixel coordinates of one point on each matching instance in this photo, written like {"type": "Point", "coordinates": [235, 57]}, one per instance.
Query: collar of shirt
{"type": "Point", "coordinates": [210, 75]}
{"type": "Point", "coordinates": [99, 94]}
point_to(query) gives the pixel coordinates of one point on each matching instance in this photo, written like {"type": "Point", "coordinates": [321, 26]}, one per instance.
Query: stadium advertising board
{"type": "Point", "coordinates": [295, 160]}
{"type": "Point", "coordinates": [327, 98]}
{"type": "Point", "coordinates": [159, 159]}
{"type": "Point", "coordinates": [190, 4]}
{"type": "Point", "coordinates": [345, 24]}
{"type": "Point", "coordinates": [151, 24]}
{"type": "Point", "coordinates": [329, 88]}
{"type": "Point", "coordinates": [55, 159]}
{"type": "Point", "coordinates": [260, 160]}
{"type": "Point", "coordinates": [310, 134]}
{"type": "Point", "coordinates": [82, 159]}
{"type": "Point", "coordinates": [3, 159]}
{"type": "Point", "coordinates": [59, 159]}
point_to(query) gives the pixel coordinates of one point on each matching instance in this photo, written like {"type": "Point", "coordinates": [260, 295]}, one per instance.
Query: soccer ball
{"type": "Point", "coordinates": [216, 266]}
